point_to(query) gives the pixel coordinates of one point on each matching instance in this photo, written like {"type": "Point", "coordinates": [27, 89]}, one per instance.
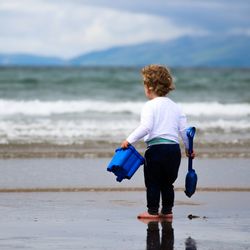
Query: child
{"type": "Point", "coordinates": [161, 123]}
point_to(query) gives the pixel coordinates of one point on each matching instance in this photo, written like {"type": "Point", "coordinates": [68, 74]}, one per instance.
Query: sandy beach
{"type": "Point", "coordinates": [74, 174]}
{"type": "Point", "coordinates": [107, 220]}
{"type": "Point", "coordinates": [101, 149]}
{"type": "Point", "coordinates": [97, 212]}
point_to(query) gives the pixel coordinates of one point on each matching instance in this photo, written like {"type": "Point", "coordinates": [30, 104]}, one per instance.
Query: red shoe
{"type": "Point", "coordinates": [146, 215]}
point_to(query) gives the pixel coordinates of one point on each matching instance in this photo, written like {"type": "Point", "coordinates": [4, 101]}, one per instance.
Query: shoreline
{"type": "Point", "coordinates": [103, 149]}
{"type": "Point", "coordinates": [115, 189]}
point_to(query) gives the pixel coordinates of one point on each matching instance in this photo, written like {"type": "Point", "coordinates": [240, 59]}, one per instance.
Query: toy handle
{"type": "Point", "coordinates": [190, 134]}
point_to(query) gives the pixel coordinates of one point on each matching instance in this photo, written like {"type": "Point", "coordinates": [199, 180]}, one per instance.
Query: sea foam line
{"type": "Point", "coordinates": [46, 128]}
{"type": "Point", "coordinates": [47, 108]}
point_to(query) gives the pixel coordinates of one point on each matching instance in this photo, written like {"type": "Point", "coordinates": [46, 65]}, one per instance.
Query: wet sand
{"type": "Point", "coordinates": [107, 220]}
{"type": "Point", "coordinates": [91, 174]}
{"type": "Point", "coordinates": [97, 149]}
{"type": "Point", "coordinates": [104, 215]}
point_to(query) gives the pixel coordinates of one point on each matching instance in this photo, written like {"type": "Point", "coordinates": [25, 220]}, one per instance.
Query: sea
{"type": "Point", "coordinates": [68, 106]}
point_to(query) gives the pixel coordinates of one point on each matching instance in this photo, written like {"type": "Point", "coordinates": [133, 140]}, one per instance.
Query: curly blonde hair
{"type": "Point", "coordinates": [158, 79]}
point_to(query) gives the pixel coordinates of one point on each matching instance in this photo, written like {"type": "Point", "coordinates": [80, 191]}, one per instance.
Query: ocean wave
{"type": "Point", "coordinates": [216, 109]}
{"type": "Point", "coordinates": [45, 130]}
{"type": "Point", "coordinates": [71, 131]}
{"type": "Point", "coordinates": [47, 108]}
{"type": "Point", "coordinates": [224, 125]}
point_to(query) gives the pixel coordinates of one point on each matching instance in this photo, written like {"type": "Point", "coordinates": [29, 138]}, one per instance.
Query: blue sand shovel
{"type": "Point", "coordinates": [125, 163]}
{"type": "Point", "coordinates": [191, 177]}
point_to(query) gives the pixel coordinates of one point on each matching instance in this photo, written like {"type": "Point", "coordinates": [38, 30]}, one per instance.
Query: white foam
{"type": "Point", "coordinates": [71, 131]}
{"type": "Point", "coordinates": [47, 108]}
{"type": "Point", "coordinates": [45, 130]}
{"type": "Point", "coordinates": [216, 109]}
{"type": "Point", "coordinates": [35, 121]}
{"type": "Point", "coordinates": [225, 125]}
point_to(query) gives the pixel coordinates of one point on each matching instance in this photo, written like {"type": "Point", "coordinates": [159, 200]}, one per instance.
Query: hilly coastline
{"type": "Point", "coordinates": [204, 51]}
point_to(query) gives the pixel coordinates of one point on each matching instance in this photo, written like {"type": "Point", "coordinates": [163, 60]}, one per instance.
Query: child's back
{"type": "Point", "coordinates": [166, 119]}
{"type": "Point", "coordinates": [161, 123]}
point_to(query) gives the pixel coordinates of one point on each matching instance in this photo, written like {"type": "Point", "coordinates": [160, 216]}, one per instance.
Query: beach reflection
{"type": "Point", "coordinates": [153, 236]}
{"type": "Point", "coordinates": [165, 240]}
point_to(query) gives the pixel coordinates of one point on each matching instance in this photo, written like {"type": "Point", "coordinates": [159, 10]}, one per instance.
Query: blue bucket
{"type": "Point", "coordinates": [125, 163]}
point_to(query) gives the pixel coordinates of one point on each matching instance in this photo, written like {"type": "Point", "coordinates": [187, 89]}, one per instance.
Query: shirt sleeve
{"type": "Point", "coordinates": [183, 129]}
{"type": "Point", "coordinates": [145, 126]}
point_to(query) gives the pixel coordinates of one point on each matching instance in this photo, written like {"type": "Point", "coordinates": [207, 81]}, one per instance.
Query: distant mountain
{"type": "Point", "coordinates": [206, 51]}
{"type": "Point", "coordinates": [29, 60]}
{"type": "Point", "coordinates": [209, 51]}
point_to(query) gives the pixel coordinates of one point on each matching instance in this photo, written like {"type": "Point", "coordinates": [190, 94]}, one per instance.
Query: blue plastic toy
{"type": "Point", "coordinates": [125, 163]}
{"type": "Point", "coordinates": [191, 177]}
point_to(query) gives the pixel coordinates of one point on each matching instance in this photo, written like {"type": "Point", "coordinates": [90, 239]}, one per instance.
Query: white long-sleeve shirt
{"type": "Point", "coordinates": [161, 117]}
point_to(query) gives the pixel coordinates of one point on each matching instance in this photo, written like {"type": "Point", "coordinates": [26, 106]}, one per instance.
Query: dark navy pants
{"type": "Point", "coordinates": [161, 168]}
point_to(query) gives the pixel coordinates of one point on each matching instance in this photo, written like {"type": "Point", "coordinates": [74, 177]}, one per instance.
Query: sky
{"type": "Point", "coordinates": [69, 28]}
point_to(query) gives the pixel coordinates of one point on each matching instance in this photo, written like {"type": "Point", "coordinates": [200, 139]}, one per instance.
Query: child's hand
{"type": "Point", "coordinates": [125, 144]}
{"type": "Point", "coordinates": [192, 155]}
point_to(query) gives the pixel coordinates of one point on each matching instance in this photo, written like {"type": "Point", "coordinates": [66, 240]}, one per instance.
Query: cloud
{"type": "Point", "coordinates": [67, 29]}
{"type": "Point", "coordinates": [216, 16]}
